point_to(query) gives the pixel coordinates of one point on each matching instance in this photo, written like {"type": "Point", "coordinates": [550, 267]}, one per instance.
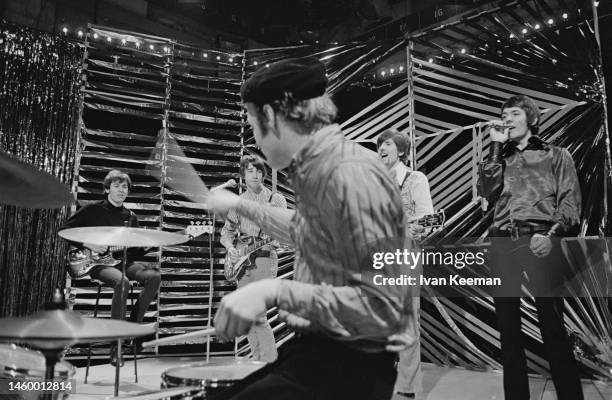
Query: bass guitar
{"type": "Point", "coordinates": [81, 261]}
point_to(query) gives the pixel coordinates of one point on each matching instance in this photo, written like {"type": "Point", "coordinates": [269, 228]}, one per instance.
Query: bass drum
{"type": "Point", "coordinates": [19, 364]}
{"type": "Point", "coordinates": [211, 378]}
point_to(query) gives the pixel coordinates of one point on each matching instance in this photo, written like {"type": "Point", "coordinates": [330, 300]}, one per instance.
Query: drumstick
{"type": "Point", "coordinates": [171, 339]}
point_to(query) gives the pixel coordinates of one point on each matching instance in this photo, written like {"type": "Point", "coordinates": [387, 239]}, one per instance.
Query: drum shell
{"type": "Point", "coordinates": [20, 364]}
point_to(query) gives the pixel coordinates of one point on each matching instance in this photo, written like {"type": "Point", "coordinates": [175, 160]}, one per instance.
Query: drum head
{"type": "Point", "coordinates": [210, 374]}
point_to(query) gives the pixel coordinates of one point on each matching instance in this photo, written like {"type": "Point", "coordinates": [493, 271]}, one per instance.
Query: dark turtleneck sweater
{"type": "Point", "coordinates": [103, 213]}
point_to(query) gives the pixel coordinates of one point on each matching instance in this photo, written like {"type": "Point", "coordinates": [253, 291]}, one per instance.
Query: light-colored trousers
{"type": "Point", "coordinates": [409, 374]}
{"type": "Point", "coordinates": [261, 337]}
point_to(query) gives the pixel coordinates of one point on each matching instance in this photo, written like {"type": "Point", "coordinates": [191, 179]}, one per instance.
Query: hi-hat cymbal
{"type": "Point", "coordinates": [23, 185]}
{"type": "Point", "coordinates": [56, 329]}
{"type": "Point", "coordinates": [122, 236]}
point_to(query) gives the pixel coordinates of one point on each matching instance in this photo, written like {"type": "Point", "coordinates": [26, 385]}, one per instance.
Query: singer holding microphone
{"type": "Point", "coordinates": [536, 193]}
{"type": "Point", "coordinates": [265, 265]}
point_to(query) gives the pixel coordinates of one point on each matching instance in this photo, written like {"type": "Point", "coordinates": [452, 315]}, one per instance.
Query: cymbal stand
{"type": "Point", "coordinates": [52, 356]}
{"type": "Point", "coordinates": [118, 349]}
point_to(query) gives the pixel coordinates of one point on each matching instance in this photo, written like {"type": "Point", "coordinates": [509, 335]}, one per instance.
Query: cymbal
{"type": "Point", "coordinates": [23, 185]}
{"type": "Point", "coordinates": [59, 328]}
{"type": "Point", "coordinates": [122, 236]}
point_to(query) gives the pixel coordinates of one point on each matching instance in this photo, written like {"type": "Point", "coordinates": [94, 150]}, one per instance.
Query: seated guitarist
{"type": "Point", "coordinates": [393, 149]}
{"type": "Point", "coordinates": [112, 212]}
{"type": "Point", "coordinates": [253, 171]}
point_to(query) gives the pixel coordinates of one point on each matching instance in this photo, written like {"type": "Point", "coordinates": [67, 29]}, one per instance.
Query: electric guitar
{"type": "Point", "coordinates": [81, 261]}
{"type": "Point", "coordinates": [246, 247]}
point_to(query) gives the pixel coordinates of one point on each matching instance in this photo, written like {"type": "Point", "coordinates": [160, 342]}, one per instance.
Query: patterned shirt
{"type": "Point", "coordinates": [235, 224]}
{"type": "Point", "coordinates": [536, 184]}
{"type": "Point", "coordinates": [347, 208]}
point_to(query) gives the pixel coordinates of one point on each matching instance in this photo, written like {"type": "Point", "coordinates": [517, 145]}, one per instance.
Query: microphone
{"type": "Point", "coordinates": [229, 184]}
{"type": "Point", "coordinates": [496, 125]}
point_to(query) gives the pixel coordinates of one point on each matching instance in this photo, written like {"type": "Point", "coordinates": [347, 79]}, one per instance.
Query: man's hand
{"type": "Point", "coordinates": [414, 231]}
{"type": "Point", "coordinates": [96, 248]}
{"type": "Point", "coordinates": [233, 254]}
{"type": "Point", "coordinates": [244, 307]}
{"type": "Point", "coordinates": [498, 135]}
{"type": "Point", "coordinates": [540, 245]}
{"type": "Point", "coordinates": [221, 200]}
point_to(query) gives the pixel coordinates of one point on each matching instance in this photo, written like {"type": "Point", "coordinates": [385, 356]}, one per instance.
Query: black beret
{"type": "Point", "coordinates": [303, 77]}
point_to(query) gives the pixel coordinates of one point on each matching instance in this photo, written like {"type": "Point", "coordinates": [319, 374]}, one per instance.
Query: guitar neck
{"type": "Point", "coordinates": [257, 244]}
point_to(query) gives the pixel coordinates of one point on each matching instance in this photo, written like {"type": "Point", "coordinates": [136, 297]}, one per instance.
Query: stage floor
{"type": "Point", "coordinates": [438, 383]}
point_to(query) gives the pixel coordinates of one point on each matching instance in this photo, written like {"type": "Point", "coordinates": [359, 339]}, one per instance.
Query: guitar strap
{"type": "Point", "coordinates": [268, 202]}
{"type": "Point", "coordinates": [404, 181]}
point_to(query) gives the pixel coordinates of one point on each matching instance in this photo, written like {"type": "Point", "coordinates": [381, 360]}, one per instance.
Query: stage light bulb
{"type": "Point", "coordinates": [463, 51]}
{"type": "Point", "coordinates": [165, 49]}
{"type": "Point", "coordinates": [392, 70]}
{"type": "Point", "coordinates": [65, 30]}
{"type": "Point", "coordinates": [537, 26]}
{"type": "Point", "coordinates": [511, 35]}
{"type": "Point", "coordinates": [137, 44]}
{"type": "Point", "coordinates": [151, 47]}
{"type": "Point", "coordinates": [383, 73]}
{"type": "Point", "coordinates": [596, 3]}
{"type": "Point", "coordinates": [524, 31]}
{"type": "Point", "coordinates": [80, 33]}
{"type": "Point", "coordinates": [551, 21]}
{"type": "Point", "coordinates": [108, 39]}
{"type": "Point", "coordinates": [401, 68]}
{"type": "Point", "coordinates": [123, 41]}
{"type": "Point", "coordinates": [267, 65]}
{"type": "Point", "coordinates": [205, 55]}
{"type": "Point", "coordinates": [431, 60]}
{"type": "Point", "coordinates": [564, 15]}
{"type": "Point", "coordinates": [255, 63]}
{"type": "Point", "coordinates": [218, 58]}
{"type": "Point", "coordinates": [95, 35]}
{"type": "Point", "coordinates": [231, 59]}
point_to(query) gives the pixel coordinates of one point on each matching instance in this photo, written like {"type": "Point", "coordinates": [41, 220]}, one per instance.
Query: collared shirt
{"type": "Point", "coordinates": [347, 208]}
{"type": "Point", "coordinates": [536, 184]}
{"type": "Point", "coordinates": [235, 224]}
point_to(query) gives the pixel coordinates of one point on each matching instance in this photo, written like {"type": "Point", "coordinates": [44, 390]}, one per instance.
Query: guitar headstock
{"type": "Point", "coordinates": [433, 220]}
{"type": "Point", "coordinates": [198, 228]}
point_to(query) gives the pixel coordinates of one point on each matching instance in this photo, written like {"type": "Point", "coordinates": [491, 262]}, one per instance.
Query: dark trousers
{"type": "Point", "coordinates": [509, 259]}
{"type": "Point", "coordinates": [316, 368]}
{"type": "Point", "coordinates": [148, 277]}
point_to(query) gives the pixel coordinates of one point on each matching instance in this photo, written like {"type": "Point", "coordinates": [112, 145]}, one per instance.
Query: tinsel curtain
{"type": "Point", "coordinates": [39, 98]}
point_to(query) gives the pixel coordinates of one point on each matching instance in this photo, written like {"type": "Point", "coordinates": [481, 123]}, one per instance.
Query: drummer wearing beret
{"type": "Point", "coordinates": [347, 208]}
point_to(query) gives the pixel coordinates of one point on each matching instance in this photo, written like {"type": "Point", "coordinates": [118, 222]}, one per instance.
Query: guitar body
{"type": "Point", "coordinates": [251, 258]}
{"type": "Point", "coordinates": [81, 261]}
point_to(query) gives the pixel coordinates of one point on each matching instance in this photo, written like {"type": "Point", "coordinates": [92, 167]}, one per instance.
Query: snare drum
{"type": "Point", "coordinates": [22, 364]}
{"type": "Point", "coordinates": [211, 377]}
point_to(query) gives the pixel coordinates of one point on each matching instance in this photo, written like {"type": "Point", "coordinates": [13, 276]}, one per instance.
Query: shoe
{"type": "Point", "coordinates": [113, 357]}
